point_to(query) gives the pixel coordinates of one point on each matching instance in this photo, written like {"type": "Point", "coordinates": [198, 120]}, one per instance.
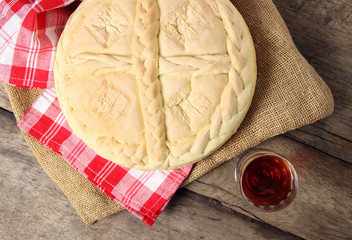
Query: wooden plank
{"type": "Point", "coordinates": [4, 101]}
{"type": "Point", "coordinates": [317, 137]}
{"type": "Point", "coordinates": [321, 201]}
{"type": "Point", "coordinates": [323, 206]}
{"type": "Point", "coordinates": [322, 31]}
{"type": "Point", "coordinates": [33, 207]}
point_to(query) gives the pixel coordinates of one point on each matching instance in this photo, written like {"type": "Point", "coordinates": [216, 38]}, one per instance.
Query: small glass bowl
{"type": "Point", "coordinates": [266, 167]}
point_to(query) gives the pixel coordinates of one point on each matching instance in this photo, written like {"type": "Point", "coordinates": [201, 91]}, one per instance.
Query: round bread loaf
{"type": "Point", "coordinates": [155, 84]}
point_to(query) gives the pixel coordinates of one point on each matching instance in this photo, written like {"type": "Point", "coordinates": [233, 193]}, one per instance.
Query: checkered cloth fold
{"type": "Point", "coordinates": [29, 34]}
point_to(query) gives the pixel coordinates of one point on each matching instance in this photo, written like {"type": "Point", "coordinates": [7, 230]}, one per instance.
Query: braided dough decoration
{"type": "Point", "coordinates": [155, 84]}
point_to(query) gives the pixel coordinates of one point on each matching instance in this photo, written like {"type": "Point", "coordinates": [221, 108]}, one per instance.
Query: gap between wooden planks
{"type": "Point", "coordinates": [322, 32]}
{"type": "Point", "coordinates": [319, 210]}
{"type": "Point", "coordinates": [32, 207]}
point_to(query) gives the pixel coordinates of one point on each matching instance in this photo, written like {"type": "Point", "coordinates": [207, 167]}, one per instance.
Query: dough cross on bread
{"type": "Point", "coordinates": [155, 84]}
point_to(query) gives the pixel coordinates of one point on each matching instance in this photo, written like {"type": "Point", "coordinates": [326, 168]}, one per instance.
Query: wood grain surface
{"type": "Point", "coordinates": [4, 101]}
{"type": "Point", "coordinates": [33, 207]}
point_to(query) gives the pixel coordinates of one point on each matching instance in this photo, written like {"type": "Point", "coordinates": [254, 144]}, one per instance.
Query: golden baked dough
{"type": "Point", "coordinates": [155, 84]}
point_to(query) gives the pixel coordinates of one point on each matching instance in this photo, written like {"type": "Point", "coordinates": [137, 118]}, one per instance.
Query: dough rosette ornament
{"type": "Point", "coordinates": [155, 85]}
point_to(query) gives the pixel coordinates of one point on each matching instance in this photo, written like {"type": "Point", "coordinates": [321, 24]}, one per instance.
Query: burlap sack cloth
{"type": "Point", "coordinates": [289, 94]}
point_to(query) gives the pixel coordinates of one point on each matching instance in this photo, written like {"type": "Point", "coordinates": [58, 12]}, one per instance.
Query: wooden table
{"type": "Point", "coordinates": [33, 207]}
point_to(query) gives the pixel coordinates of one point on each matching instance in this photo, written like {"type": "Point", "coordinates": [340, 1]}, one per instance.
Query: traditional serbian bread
{"type": "Point", "coordinates": [155, 84]}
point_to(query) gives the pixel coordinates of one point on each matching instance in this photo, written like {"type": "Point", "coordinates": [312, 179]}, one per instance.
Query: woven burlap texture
{"type": "Point", "coordinates": [289, 94]}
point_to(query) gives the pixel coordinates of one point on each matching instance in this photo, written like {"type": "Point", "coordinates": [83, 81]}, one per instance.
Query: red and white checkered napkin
{"type": "Point", "coordinates": [145, 194]}
{"type": "Point", "coordinates": [29, 32]}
